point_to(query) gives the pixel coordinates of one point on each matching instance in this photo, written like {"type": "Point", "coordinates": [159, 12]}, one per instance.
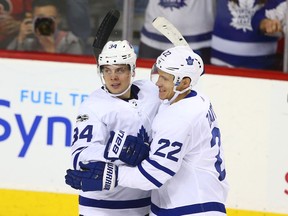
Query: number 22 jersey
{"type": "Point", "coordinates": [186, 162]}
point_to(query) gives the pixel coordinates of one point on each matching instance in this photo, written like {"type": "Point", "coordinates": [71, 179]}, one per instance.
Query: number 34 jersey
{"type": "Point", "coordinates": [98, 115]}
{"type": "Point", "coordinates": [186, 162]}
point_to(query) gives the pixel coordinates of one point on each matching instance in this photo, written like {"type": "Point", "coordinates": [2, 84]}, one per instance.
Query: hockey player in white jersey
{"type": "Point", "coordinates": [119, 104]}
{"type": "Point", "coordinates": [185, 167]}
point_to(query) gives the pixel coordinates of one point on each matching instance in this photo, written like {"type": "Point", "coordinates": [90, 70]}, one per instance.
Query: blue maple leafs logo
{"type": "Point", "coordinates": [172, 4]}
{"type": "Point", "coordinates": [143, 134]}
{"type": "Point", "coordinates": [189, 60]}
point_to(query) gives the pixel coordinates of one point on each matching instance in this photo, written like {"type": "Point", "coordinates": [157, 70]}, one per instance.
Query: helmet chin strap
{"type": "Point", "coordinates": [177, 93]}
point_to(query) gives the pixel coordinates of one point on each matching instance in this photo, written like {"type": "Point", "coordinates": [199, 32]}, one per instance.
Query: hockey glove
{"type": "Point", "coordinates": [129, 149]}
{"type": "Point", "coordinates": [94, 176]}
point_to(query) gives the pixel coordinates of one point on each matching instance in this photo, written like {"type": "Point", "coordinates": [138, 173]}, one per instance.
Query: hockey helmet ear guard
{"type": "Point", "coordinates": [181, 62]}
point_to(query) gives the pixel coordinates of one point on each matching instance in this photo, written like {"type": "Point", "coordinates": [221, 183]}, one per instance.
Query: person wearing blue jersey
{"type": "Point", "coordinates": [271, 19]}
{"type": "Point", "coordinates": [120, 106]}
{"type": "Point", "coordinates": [235, 43]}
{"type": "Point", "coordinates": [193, 18]}
{"type": "Point", "coordinates": [185, 169]}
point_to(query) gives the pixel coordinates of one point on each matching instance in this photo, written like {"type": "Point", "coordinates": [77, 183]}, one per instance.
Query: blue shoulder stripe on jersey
{"type": "Point", "coordinates": [190, 209]}
{"type": "Point", "coordinates": [160, 167]}
{"type": "Point", "coordinates": [189, 39]}
{"type": "Point", "coordinates": [149, 177]}
{"type": "Point", "coordinates": [114, 204]}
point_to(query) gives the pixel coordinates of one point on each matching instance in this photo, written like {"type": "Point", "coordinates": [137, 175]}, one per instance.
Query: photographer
{"type": "Point", "coordinates": [39, 31]}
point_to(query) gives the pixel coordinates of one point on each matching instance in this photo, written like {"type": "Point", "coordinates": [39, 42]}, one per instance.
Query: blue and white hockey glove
{"type": "Point", "coordinates": [94, 176]}
{"type": "Point", "coordinates": [129, 149]}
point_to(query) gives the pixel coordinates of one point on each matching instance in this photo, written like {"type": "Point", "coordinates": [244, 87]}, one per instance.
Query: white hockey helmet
{"type": "Point", "coordinates": [117, 52]}
{"type": "Point", "coordinates": [181, 62]}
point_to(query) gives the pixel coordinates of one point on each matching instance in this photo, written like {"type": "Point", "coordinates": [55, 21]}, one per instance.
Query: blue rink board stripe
{"type": "Point", "coordinates": [190, 209]}
{"type": "Point", "coordinates": [114, 204]}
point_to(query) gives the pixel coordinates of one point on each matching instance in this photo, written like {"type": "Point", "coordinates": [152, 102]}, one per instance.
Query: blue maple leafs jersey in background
{"type": "Point", "coordinates": [193, 18]}
{"type": "Point", "coordinates": [235, 43]}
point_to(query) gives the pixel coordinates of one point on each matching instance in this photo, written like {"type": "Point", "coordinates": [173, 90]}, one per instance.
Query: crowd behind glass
{"type": "Point", "coordinates": [72, 25]}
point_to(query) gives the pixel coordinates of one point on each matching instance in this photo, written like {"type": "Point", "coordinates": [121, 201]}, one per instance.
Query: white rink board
{"type": "Point", "coordinates": [253, 117]}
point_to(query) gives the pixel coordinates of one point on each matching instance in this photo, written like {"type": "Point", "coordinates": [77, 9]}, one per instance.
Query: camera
{"type": "Point", "coordinates": [44, 25]}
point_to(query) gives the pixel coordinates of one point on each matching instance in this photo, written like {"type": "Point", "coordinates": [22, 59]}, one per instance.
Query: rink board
{"type": "Point", "coordinates": [38, 105]}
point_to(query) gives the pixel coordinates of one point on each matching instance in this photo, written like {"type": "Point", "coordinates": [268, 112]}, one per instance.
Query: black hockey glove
{"type": "Point", "coordinates": [93, 176]}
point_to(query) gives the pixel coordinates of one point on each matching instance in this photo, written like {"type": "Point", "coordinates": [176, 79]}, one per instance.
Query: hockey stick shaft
{"type": "Point", "coordinates": [104, 31]}
{"type": "Point", "coordinates": [166, 28]}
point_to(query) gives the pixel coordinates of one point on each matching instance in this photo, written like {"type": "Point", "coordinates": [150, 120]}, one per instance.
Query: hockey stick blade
{"type": "Point", "coordinates": [167, 29]}
{"type": "Point", "coordinates": [104, 31]}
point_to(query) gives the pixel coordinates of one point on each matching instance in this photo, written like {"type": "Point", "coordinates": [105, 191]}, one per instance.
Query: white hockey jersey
{"type": "Point", "coordinates": [99, 114]}
{"type": "Point", "coordinates": [193, 18]}
{"type": "Point", "coordinates": [185, 165]}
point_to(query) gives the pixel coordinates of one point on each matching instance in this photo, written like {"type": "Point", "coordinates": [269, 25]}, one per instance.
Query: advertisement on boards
{"type": "Point", "coordinates": [38, 108]}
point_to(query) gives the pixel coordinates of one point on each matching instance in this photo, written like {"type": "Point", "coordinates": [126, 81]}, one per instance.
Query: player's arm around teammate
{"type": "Point", "coordinates": [186, 162]}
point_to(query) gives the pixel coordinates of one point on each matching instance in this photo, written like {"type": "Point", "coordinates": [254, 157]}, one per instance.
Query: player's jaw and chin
{"type": "Point", "coordinates": [165, 89]}
{"type": "Point", "coordinates": [117, 88]}
{"type": "Point", "coordinates": [165, 94]}
{"type": "Point", "coordinates": [162, 94]}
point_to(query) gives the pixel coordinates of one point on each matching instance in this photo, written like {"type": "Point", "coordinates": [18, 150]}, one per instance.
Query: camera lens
{"type": "Point", "coordinates": [45, 26]}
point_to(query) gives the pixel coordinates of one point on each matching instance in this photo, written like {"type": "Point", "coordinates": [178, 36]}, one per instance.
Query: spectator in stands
{"type": "Point", "coordinates": [12, 13]}
{"type": "Point", "coordinates": [39, 31]}
{"type": "Point", "coordinates": [193, 18]}
{"type": "Point", "coordinates": [271, 19]}
{"type": "Point", "coordinates": [235, 43]}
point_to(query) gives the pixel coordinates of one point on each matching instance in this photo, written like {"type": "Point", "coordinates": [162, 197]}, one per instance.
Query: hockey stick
{"type": "Point", "coordinates": [104, 31]}
{"type": "Point", "coordinates": [166, 28]}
